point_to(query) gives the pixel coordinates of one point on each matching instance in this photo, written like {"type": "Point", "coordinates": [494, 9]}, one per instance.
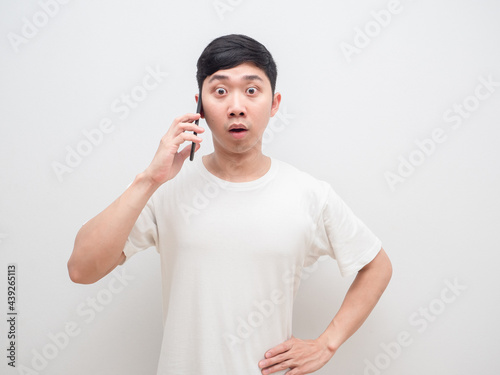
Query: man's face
{"type": "Point", "coordinates": [237, 105]}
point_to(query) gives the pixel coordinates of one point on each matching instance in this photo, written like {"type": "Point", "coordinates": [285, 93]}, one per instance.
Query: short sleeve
{"type": "Point", "coordinates": [340, 234]}
{"type": "Point", "coordinates": [144, 233]}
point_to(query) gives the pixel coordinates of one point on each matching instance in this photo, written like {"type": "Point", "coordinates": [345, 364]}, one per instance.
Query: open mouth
{"type": "Point", "coordinates": [238, 132]}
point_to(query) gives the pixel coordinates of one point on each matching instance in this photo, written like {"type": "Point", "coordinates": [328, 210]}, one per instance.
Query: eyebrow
{"type": "Point", "coordinates": [249, 77]}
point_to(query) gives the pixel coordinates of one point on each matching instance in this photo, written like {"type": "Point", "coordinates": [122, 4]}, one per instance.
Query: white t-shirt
{"type": "Point", "coordinates": [231, 259]}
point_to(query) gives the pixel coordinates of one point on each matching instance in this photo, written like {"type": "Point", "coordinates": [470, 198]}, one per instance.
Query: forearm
{"type": "Point", "coordinates": [100, 242]}
{"type": "Point", "coordinates": [361, 298]}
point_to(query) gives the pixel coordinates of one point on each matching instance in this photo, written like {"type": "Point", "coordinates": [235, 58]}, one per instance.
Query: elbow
{"type": "Point", "coordinates": [77, 274]}
{"type": "Point", "coordinates": [80, 269]}
{"type": "Point", "coordinates": [73, 273]}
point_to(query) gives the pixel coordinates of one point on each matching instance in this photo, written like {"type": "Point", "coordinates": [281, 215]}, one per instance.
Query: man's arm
{"type": "Point", "coordinates": [307, 356]}
{"type": "Point", "coordinates": [361, 298]}
{"type": "Point", "coordinates": [99, 243]}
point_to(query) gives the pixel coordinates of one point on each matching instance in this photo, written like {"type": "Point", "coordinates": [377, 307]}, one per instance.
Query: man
{"type": "Point", "coordinates": [234, 230]}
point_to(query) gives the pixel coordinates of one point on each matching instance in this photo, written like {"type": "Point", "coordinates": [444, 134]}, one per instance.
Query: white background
{"type": "Point", "coordinates": [349, 119]}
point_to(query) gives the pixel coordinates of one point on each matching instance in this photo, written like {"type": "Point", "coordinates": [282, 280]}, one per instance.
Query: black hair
{"type": "Point", "coordinates": [229, 51]}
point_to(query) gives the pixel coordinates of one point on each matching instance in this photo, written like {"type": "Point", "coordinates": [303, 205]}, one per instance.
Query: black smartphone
{"type": "Point", "coordinates": [198, 110]}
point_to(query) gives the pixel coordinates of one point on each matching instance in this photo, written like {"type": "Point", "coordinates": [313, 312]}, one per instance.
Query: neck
{"type": "Point", "coordinates": [237, 167]}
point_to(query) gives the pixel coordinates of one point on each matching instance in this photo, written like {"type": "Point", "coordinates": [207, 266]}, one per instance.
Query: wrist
{"type": "Point", "coordinates": [330, 339]}
{"type": "Point", "coordinates": [146, 183]}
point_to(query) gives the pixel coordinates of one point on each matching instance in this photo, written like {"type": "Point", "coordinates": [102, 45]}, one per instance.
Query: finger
{"type": "Point", "coordinates": [188, 117]}
{"type": "Point", "coordinates": [183, 137]}
{"type": "Point", "coordinates": [278, 367]}
{"type": "Point", "coordinates": [178, 128]}
{"type": "Point", "coordinates": [274, 360]}
{"type": "Point", "coordinates": [281, 348]}
{"type": "Point", "coordinates": [189, 126]}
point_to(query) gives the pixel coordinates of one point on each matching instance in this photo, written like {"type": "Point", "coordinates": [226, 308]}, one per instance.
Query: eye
{"type": "Point", "coordinates": [220, 91]}
{"type": "Point", "coordinates": [252, 90]}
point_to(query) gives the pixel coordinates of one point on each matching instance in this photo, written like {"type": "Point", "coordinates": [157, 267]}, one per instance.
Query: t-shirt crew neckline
{"type": "Point", "coordinates": [228, 185]}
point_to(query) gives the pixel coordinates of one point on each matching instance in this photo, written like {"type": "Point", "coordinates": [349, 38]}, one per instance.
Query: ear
{"type": "Point", "coordinates": [276, 103]}
{"type": "Point", "coordinates": [196, 98]}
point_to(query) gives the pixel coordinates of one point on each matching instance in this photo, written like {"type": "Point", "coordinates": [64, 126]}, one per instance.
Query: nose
{"type": "Point", "coordinates": [236, 106]}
